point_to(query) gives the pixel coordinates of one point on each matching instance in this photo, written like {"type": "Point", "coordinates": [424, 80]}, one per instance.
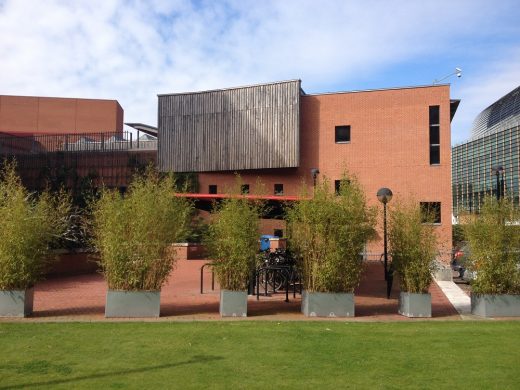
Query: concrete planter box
{"type": "Point", "coordinates": [16, 303]}
{"type": "Point", "coordinates": [487, 305]}
{"type": "Point", "coordinates": [133, 304]}
{"type": "Point", "coordinates": [415, 305]}
{"type": "Point", "coordinates": [233, 303]}
{"type": "Point", "coordinates": [317, 304]}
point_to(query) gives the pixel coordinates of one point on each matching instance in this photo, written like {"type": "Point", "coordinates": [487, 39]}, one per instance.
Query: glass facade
{"type": "Point", "coordinates": [472, 173]}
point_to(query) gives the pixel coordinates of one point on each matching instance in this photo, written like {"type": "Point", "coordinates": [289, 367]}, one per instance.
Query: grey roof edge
{"type": "Point", "coordinates": [378, 89]}
{"type": "Point", "coordinates": [61, 97]}
{"type": "Point", "coordinates": [230, 88]}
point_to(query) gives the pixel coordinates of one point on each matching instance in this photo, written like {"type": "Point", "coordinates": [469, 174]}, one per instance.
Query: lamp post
{"type": "Point", "coordinates": [499, 170]}
{"type": "Point", "coordinates": [314, 174]}
{"type": "Point", "coordinates": [457, 72]}
{"type": "Point", "coordinates": [384, 195]}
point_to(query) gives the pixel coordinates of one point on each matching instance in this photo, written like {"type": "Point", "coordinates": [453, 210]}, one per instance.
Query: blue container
{"type": "Point", "coordinates": [265, 244]}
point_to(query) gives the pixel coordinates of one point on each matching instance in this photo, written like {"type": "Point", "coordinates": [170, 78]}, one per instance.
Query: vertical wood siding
{"type": "Point", "coordinates": [251, 127]}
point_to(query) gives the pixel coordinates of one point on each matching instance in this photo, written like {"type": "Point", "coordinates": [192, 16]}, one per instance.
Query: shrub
{"type": "Point", "coordinates": [232, 240]}
{"type": "Point", "coordinates": [29, 225]}
{"type": "Point", "coordinates": [494, 243]}
{"type": "Point", "coordinates": [328, 233]}
{"type": "Point", "coordinates": [133, 233]}
{"type": "Point", "coordinates": [413, 247]}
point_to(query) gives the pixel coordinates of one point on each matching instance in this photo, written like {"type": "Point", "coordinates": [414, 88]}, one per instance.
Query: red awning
{"type": "Point", "coordinates": [252, 197]}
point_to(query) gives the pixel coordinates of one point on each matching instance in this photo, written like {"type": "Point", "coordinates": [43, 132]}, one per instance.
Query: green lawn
{"type": "Point", "coordinates": [266, 355]}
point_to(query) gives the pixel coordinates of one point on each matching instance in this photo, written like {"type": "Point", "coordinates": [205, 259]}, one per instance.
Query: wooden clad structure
{"type": "Point", "coordinates": [251, 127]}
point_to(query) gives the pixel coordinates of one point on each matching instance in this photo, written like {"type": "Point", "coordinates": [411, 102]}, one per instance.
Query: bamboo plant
{"type": "Point", "coordinates": [232, 239]}
{"type": "Point", "coordinates": [413, 246]}
{"type": "Point", "coordinates": [328, 232]}
{"type": "Point", "coordinates": [493, 237]}
{"type": "Point", "coordinates": [29, 225]}
{"type": "Point", "coordinates": [133, 233]}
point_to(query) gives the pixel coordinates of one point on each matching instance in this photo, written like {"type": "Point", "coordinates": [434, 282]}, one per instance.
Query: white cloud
{"type": "Point", "coordinates": [133, 50]}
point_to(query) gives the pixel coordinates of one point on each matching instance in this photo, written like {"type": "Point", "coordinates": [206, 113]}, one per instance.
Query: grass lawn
{"type": "Point", "coordinates": [266, 355]}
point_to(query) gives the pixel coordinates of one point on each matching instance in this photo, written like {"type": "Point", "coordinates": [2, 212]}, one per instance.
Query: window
{"type": "Point", "coordinates": [337, 185]}
{"type": "Point", "coordinates": [342, 134]}
{"type": "Point", "coordinates": [212, 189]}
{"type": "Point", "coordinates": [278, 233]}
{"type": "Point", "coordinates": [244, 188]}
{"type": "Point", "coordinates": [278, 189]}
{"type": "Point", "coordinates": [431, 212]}
{"type": "Point", "coordinates": [435, 136]}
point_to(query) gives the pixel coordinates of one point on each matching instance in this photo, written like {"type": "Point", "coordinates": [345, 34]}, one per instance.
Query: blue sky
{"type": "Point", "coordinates": [133, 50]}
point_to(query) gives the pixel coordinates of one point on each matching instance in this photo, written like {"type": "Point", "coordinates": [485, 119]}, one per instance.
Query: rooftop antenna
{"type": "Point", "coordinates": [458, 73]}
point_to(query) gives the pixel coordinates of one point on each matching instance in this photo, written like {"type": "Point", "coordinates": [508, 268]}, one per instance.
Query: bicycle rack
{"type": "Point", "coordinates": [202, 278]}
{"type": "Point", "coordinates": [266, 270]}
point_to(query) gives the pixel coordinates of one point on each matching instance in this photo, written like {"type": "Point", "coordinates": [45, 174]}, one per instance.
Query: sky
{"type": "Point", "coordinates": [133, 50]}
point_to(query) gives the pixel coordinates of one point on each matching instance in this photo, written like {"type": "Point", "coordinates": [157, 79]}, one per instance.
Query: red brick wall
{"type": "Point", "coordinates": [389, 148]}
{"type": "Point", "coordinates": [39, 115]}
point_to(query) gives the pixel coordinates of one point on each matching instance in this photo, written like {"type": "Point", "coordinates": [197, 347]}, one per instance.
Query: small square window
{"type": "Point", "coordinates": [278, 233]}
{"type": "Point", "coordinates": [342, 134]}
{"type": "Point", "coordinates": [244, 188]}
{"type": "Point", "coordinates": [431, 212]}
{"type": "Point", "coordinates": [278, 189]}
{"type": "Point", "coordinates": [337, 185]}
{"type": "Point", "coordinates": [212, 189]}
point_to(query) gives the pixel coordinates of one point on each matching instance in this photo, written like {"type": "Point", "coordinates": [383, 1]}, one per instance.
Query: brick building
{"type": "Point", "coordinates": [25, 115]}
{"type": "Point", "coordinates": [68, 141]}
{"type": "Point", "coordinates": [397, 138]}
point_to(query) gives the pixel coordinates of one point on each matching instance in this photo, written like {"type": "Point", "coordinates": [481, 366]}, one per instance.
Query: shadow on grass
{"type": "Point", "coordinates": [194, 360]}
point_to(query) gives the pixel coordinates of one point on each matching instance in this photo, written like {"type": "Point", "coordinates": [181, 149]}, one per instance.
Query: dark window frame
{"type": "Point", "coordinates": [345, 138]}
{"type": "Point", "coordinates": [213, 189]}
{"type": "Point", "coordinates": [337, 185]}
{"type": "Point", "coordinates": [431, 208]}
{"type": "Point", "coordinates": [278, 189]}
{"type": "Point", "coordinates": [434, 135]}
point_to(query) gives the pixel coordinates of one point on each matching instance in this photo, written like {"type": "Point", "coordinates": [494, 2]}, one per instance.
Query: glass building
{"type": "Point", "coordinates": [495, 142]}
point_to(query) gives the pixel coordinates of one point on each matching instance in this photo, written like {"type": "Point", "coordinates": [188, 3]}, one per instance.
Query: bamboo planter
{"type": "Point", "coordinates": [319, 304]}
{"type": "Point", "coordinates": [415, 305]}
{"type": "Point", "coordinates": [233, 303]}
{"type": "Point", "coordinates": [132, 304]}
{"type": "Point", "coordinates": [16, 303]}
{"type": "Point", "coordinates": [489, 305]}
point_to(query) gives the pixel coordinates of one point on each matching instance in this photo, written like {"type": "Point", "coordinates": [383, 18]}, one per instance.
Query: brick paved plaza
{"type": "Point", "coordinates": [83, 298]}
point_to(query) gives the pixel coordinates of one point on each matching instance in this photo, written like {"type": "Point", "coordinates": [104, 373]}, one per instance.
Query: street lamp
{"type": "Point", "coordinates": [384, 195]}
{"type": "Point", "coordinates": [314, 174]}
{"type": "Point", "coordinates": [499, 170]}
{"type": "Point", "coordinates": [457, 72]}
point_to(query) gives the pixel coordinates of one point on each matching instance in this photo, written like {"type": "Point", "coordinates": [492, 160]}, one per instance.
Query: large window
{"type": "Point", "coordinates": [431, 212]}
{"type": "Point", "coordinates": [435, 136]}
{"type": "Point", "coordinates": [342, 134]}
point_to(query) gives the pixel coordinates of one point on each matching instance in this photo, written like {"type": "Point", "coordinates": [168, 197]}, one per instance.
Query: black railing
{"type": "Point", "coordinates": [86, 142]}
